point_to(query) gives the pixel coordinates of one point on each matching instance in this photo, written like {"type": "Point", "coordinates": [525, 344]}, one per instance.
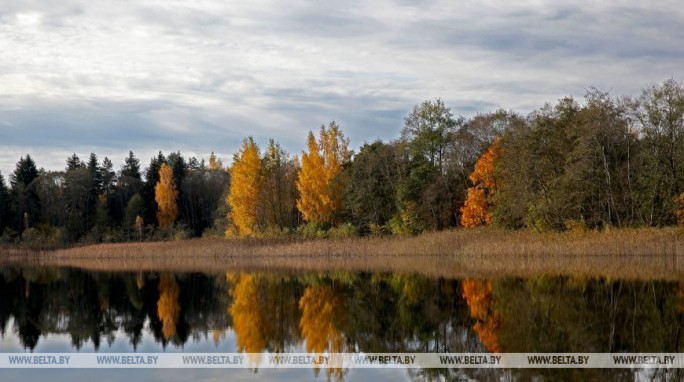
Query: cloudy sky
{"type": "Point", "coordinates": [198, 76]}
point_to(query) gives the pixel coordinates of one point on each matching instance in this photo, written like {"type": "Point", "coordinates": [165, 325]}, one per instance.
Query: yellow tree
{"type": "Point", "coordinates": [166, 195]}
{"type": "Point", "coordinates": [311, 183]}
{"type": "Point", "coordinates": [476, 209]}
{"type": "Point", "coordinates": [320, 190]}
{"type": "Point", "coordinates": [168, 308]}
{"type": "Point", "coordinates": [214, 162]}
{"type": "Point", "coordinates": [245, 187]}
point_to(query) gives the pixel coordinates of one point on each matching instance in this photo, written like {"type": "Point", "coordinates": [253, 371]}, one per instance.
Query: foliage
{"type": "Point", "coordinates": [371, 186]}
{"type": "Point", "coordinates": [343, 231]}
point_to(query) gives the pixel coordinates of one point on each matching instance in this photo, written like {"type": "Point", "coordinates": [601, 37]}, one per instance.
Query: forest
{"type": "Point", "coordinates": [592, 164]}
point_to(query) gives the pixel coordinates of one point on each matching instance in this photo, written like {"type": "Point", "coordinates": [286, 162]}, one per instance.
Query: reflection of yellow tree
{"type": "Point", "coordinates": [248, 321]}
{"type": "Point", "coordinates": [478, 296]}
{"type": "Point", "coordinates": [322, 316]}
{"type": "Point", "coordinates": [168, 308]}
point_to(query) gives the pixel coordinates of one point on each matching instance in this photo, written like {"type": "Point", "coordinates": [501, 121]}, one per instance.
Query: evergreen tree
{"type": "Point", "coordinates": [73, 162]}
{"type": "Point", "coordinates": [108, 176]}
{"type": "Point", "coordinates": [4, 204]}
{"type": "Point", "coordinates": [26, 203]}
{"type": "Point", "coordinates": [131, 166]}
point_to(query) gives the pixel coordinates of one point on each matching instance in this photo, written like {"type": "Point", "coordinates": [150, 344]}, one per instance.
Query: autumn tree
{"type": "Point", "coordinates": [166, 196]}
{"type": "Point", "coordinates": [476, 210]}
{"type": "Point", "coordinates": [245, 186]}
{"type": "Point", "coordinates": [214, 162]}
{"type": "Point", "coordinates": [320, 190]}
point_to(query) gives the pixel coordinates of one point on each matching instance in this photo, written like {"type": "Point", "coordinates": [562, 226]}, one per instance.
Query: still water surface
{"type": "Point", "coordinates": [71, 310]}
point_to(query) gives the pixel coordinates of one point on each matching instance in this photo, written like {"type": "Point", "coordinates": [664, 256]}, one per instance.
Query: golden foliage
{"type": "Point", "coordinates": [478, 296]}
{"type": "Point", "coordinates": [248, 321]}
{"type": "Point", "coordinates": [166, 195]}
{"type": "Point", "coordinates": [319, 189]}
{"type": "Point", "coordinates": [475, 210]}
{"type": "Point", "coordinates": [245, 187]}
{"type": "Point", "coordinates": [168, 308]}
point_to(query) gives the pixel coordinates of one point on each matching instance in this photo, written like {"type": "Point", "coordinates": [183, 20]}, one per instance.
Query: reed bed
{"type": "Point", "coordinates": [625, 253]}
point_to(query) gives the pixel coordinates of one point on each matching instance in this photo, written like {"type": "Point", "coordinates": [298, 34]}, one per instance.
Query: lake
{"type": "Point", "coordinates": [53, 310]}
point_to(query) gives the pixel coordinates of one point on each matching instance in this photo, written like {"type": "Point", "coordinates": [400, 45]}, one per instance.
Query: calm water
{"type": "Point", "coordinates": [61, 309]}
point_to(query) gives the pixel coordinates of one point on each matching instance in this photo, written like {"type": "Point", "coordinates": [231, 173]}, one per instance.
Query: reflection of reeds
{"type": "Point", "coordinates": [632, 253]}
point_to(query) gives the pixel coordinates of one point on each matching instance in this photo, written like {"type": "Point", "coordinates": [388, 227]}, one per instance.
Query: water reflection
{"type": "Point", "coordinates": [340, 312]}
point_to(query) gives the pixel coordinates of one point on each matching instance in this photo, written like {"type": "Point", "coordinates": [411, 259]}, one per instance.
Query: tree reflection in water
{"type": "Point", "coordinates": [340, 312]}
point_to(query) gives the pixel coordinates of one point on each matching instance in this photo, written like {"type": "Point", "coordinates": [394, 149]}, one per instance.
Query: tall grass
{"type": "Point", "coordinates": [625, 253]}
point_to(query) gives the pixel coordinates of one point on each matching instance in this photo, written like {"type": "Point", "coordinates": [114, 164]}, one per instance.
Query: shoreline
{"type": "Point", "coordinates": [644, 253]}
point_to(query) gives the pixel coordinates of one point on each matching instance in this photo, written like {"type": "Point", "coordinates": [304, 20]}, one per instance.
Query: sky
{"type": "Point", "coordinates": [82, 76]}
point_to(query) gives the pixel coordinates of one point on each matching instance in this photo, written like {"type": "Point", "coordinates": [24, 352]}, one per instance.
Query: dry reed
{"type": "Point", "coordinates": [625, 253]}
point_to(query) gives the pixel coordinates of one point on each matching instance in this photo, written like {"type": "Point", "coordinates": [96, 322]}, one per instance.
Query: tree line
{"type": "Point", "coordinates": [599, 162]}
